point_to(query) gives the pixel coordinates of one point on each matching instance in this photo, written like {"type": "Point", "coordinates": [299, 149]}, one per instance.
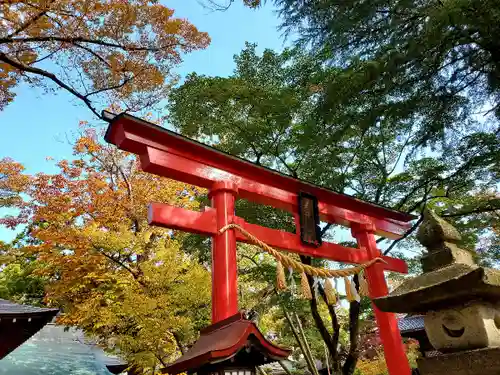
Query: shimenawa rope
{"type": "Point", "coordinates": [290, 263]}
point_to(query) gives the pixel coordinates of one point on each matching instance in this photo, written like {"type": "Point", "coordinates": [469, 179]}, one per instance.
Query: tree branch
{"type": "Point", "coordinates": [306, 344]}
{"type": "Point", "coordinates": [75, 40]}
{"type": "Point", "coordinates": [250, 259]}
{"type": "Point", "coordinates": [121, 264]}
{"type": "Point", "coordinates": [283, 366]}
{"type": "Point", "coordinates": [93, 53]}
{"type": "Point", "coordinates": [408, 232]}
{"type": "Point", "coordinates": [47, 56]}
{"type": "Point", "coordinates": [31, 21]}
{"type": "Point", "coordinates": [120, 85]}
{"type": "Point", "coordinates": [29, 69]}
{"type": "Point", "coordinates": [476, 211]}
{"type": "Point", "coordinates": [335, 328]}
{"type": "Point", "coordinates": [179, 343]}
{"type": "Point", "coordinates": [292, 171]}
{"type": "Point", "coordinates": [311, 365]}
{"type": "Point", "coordinates": [320, 325]}
{"type": "Point", "coordinates": [323, 231]}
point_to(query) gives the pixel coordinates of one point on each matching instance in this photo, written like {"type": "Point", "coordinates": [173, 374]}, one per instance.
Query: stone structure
{"type": "Point", "coordinates": [460, 302]}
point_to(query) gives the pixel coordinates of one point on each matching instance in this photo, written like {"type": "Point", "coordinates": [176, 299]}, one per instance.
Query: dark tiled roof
{"type": "Point", "coordinates": [11, 308]}
{"type": "Point", "coordinates": [19, 322]}
{"type": "Point", "coordinates": [57, 351]}
{"type": "Point", "coordinates": [411, 324]}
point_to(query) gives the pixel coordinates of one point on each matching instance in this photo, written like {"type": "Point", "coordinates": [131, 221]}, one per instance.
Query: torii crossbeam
{"type": "Point", "coordinates": [171, 155]}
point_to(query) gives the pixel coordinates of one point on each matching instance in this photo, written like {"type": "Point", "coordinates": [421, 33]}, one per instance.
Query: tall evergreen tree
{"type": "Point", "coordinates": [272, 111]}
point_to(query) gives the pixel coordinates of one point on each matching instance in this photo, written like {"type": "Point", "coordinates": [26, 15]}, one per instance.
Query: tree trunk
{"type": "Point", "coordinates": [336, 331]}
{"type": "Point", "coordinates": [306, 345]}
{"type": "Point", "coordinates": [332, 341]}
{"type": "Point", "coordinates": [178, 341]}
{"type": "Point", "coordinates": [352, 357]}
{"type": "Point", "coordinates": [310, 364]}
{"type": "Point", "coordinates": [320, 325]}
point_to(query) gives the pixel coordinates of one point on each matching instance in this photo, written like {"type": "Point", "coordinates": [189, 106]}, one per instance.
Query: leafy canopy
{"type": "Point", "coordinates": [271, 110]}
{"type": "Point", "coordinates": [438, 57]}
{"type": "Point", "coordinates": [111, 51]}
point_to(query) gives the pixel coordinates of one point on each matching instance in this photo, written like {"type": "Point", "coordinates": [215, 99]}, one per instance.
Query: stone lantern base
{"type": "Point", "coordinates": [473, 362]}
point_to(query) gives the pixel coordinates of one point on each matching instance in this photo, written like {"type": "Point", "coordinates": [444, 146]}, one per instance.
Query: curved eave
{"type": "Point", "coordinates": [26, 315]}
{"type": "Point", "coordinates": [223, 341]}
{"type": "Point", "coordinates": [17, 328]}
{"type": "Point", "coordinates": [117, 369]}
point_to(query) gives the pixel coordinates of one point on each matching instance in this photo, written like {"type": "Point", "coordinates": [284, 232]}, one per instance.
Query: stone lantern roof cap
{"type": "Point", "coordinates": [451, 276]}
{"type": "Point", "coordinates": [454, 284]}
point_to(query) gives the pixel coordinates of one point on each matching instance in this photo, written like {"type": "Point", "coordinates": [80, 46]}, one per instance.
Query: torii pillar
{"type": "Point", "coordinates": [224, 263]}
{"type": "Point", "coordinates": [228, 178]}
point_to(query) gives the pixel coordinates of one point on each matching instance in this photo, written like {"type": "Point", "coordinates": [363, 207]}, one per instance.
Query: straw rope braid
{"type": "Point", "coordinates": [288, 262]}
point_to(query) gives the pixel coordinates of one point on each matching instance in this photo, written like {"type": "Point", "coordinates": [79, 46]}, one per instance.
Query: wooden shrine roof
{"type": "Point", "coordinates": [19, 322]}
{"type": "Point", "coordinates": [8, 308]}
{"type": "Point", "coordinates": [60, 350]}
{"type": "Point", "coordinates": [222, 341]}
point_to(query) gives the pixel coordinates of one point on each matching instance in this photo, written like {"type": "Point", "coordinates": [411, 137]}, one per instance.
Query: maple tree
{"type": "Point", "coordinates": [126, 283]}
{"type": "Point", "coordinates": [113, 50]}
{"type": "Point", "coordinates": [12, 182]}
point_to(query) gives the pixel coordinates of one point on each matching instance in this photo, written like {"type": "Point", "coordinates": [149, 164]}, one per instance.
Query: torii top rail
{"type": "Point", "coordinates": [165, 153]}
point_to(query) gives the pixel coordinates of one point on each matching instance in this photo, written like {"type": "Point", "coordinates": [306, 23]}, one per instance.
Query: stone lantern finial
{"type": "Point", "coordinates": [434, 231]}
{"type": "Point", "coordinates": [440, 239]}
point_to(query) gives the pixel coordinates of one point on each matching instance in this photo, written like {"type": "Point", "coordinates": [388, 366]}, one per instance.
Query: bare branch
{"type": "Point", "coordinates": [104, 89]}
{"type": "Point", "coordinates": [306, 344]}
{"type": "Point", "coordinates": [354, 312]}
{"type": "Point", "coordinates": [408, 232]}
{"type": "Point", "coordinates": [323, 231]}
{"type": "Point", "coordinates": [93, 53]}
{"type": "Point", "coordinates": [87, 40]}
{"type": "Point", "coordinates": [31, 21]}
{"type": "Point", "coordinates": [295, 332]}
{"type": "Point", "coordinates": [47, 56]}
{"type": "Point", "coordinates": [292, 171]}
{"type": "Point", "coordinates": [335, 327]}
{"type": "Point", "coordinates": [472, 212]}
{"type": "Point", "coordinates": [403, 147]}
{"type": "Point", "coordinates": [51, 76]}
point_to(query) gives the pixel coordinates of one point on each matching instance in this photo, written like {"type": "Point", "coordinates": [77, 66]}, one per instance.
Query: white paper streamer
{"type": "Point", "coordinates": [354, 292]}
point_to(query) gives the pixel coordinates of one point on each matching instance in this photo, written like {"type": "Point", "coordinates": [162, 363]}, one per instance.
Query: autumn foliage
{"type": "Point", "coordinates": [107, 50]}
{"type": "Point", "coordinates": [12, 182]}
{"type": "Point", "coordinates": [113, 275]}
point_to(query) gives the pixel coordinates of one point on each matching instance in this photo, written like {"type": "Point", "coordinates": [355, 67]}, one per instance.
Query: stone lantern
{"type": "Point", "coordinates": [233, 346]}
{"type": "Point", "coordinates": [460, 302]}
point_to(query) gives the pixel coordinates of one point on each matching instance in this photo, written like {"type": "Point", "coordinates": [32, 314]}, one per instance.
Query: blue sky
{"type": "Point", "coordinates": [37, 125]}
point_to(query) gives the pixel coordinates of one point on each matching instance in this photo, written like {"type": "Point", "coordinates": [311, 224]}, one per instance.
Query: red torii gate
{"type": "Point", "coordinates": [171, 155]}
